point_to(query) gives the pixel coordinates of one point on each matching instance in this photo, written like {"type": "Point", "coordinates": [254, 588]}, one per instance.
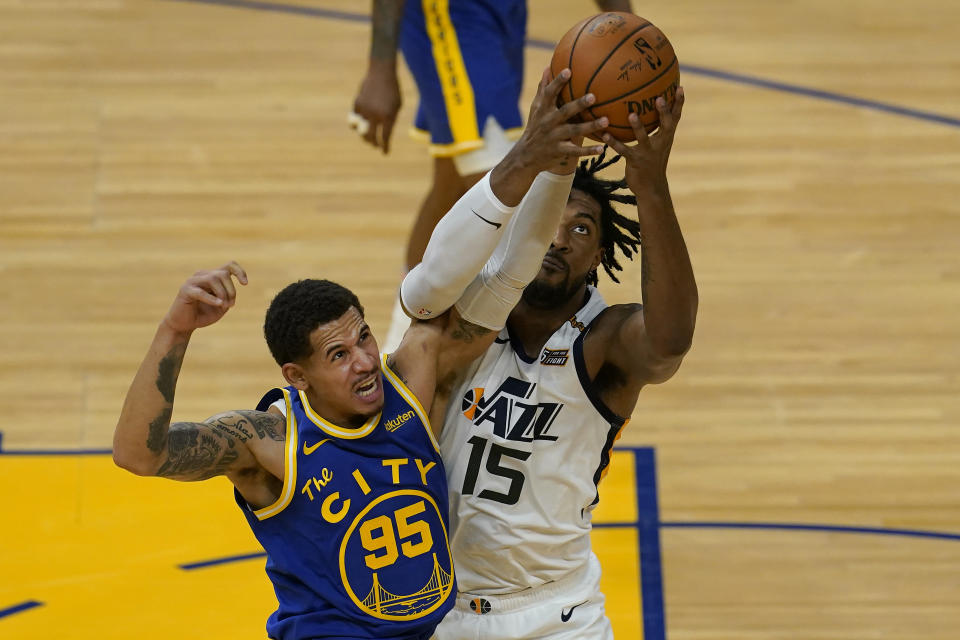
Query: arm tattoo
{"type": "Point", "coordinates": [386, 27]}
{"type": "Point", "coordinates": [169, 370]}
{"type": "Point", "coordinates": [467, 331]}
{"type": "Point", "coordinates": [230, 427]}
{"type": "Point", "coordinates": [197, 452]}
{"type": "Point", "coordinates": [267, 425]}
{"type": "Point", "coordinates": [167, 373]}
{"type": "Point", "coordinates": [157, 436]}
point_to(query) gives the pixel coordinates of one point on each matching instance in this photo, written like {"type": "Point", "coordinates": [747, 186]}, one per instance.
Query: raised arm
{"type": "Point", "coordinates": [144, 441]}
{"type": "Point", "coordinates": [536, 176]}
{"type": "Point", "coordinates": [466, 236]}
{"type": "Point", "coordinates": [378, 99]}
{"type": "Point", "coordinates": [652, 341]}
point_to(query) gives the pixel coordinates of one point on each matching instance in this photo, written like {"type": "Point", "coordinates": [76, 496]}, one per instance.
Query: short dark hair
{"type": "Point", "coordinates": [300, 308]}
{"type": "Point", "coordinates": [615, 230]}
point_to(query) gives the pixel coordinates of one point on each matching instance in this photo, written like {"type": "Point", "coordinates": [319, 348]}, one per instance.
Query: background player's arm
{"type": "Point", "coordinates": [144, 441]}
{"type": "Point", "coordinates": [651, 343]}
{"type": "Point", "coordinates": [378, 99]}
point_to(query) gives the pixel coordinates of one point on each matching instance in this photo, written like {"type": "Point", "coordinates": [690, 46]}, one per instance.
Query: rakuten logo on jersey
{"type": "Point", "coordinates": [508, 414]}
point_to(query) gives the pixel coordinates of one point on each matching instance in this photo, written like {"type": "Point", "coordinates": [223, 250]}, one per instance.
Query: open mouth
{"type": "Point", "coordinates": [369, 388]}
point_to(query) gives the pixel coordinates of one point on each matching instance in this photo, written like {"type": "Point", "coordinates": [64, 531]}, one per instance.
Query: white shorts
{"type": "Point", "coordinates": [568, 609]}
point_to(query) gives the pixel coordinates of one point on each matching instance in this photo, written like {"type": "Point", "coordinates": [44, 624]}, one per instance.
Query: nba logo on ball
{"type": "Point", "coordinates": [480, 606]}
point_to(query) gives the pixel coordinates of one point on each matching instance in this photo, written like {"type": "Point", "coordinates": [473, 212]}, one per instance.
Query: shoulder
{"type": "Point", "coordinates": [419, 344]}
{"type": "Point", "coordinates": [613, 319]}
{"type": "Point", "coordinates": [605, 344]}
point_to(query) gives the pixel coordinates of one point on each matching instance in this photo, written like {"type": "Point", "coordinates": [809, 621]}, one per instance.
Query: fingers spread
{"type": "Point", "coordinates": [639, 131]}
{"type": "Point", "coordinates": [572, 108]}
{"type": "Point", "coordinates": [552, 89]}
{"type": "Point", "coordinates": [616, 145]}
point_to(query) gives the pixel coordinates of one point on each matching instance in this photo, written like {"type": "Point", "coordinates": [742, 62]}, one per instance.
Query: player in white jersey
{"type": "Point", "coordinates": [529, 428]}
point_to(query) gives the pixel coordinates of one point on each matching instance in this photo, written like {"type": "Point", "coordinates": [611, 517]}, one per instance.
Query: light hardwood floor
{"type": "Point", "coordinates": [142, 140]}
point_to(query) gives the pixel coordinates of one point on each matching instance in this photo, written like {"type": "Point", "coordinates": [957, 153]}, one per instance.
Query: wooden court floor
{"type": "Point", "coordinates": [808, 449]}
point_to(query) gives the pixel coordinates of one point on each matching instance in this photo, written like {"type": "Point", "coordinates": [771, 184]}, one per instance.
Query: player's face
{"type": "Point", "coordinates": [574, 253]}
{"type": "Point", "coordinates": [343, 373]}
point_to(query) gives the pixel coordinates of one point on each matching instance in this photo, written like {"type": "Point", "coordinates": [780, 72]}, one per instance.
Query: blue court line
{"type": "Point", "coordinates": [57, 452]}
{"type": "Point", "coordinates": [718, 74]}
{"type": "Point", "coordinates": [650, 579]}
{"type": "Point", "coordinates": [912, 533]}
{"type": "Point", "coordinates": [189, 566]}
{"type": "Point", "coordinates": [53, 452]}
{"type": "Point", "coordinates": [285, 8]}
{"type": "Point", "coordinates": [20, 608]}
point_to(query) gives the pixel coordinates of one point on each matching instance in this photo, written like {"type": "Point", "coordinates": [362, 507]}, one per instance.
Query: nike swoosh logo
{"type": "Point", "coordinates": [489, 222]}
{"type": "Point", "coordinates": [565, 615]}
{"type": "Point", "coordinates": [308, 450]}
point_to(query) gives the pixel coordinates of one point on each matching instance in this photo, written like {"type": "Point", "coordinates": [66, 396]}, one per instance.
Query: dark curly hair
{"type": "Point", "coordinates": [300, 308]}
{"type": "Point", "coordinates": [615, 230]}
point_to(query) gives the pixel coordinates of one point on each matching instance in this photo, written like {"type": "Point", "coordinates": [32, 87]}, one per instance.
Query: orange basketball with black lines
{"type": "Point", "coordinates": [625, 61]}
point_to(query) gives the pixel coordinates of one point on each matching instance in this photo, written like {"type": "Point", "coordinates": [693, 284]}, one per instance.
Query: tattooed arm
{"type": "Point", "coordinates": [144, 441]}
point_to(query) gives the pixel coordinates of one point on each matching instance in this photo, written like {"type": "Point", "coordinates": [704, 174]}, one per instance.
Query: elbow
{"type": "Point", "coordinates": [676, 346]}
{"type": "Point", "coordinates": [668, 355]}
{"type": "Point", "coordinates": [129, 460]}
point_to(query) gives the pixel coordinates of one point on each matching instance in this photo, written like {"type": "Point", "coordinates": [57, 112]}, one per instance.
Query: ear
{"type": "Point", "coordinates": [295, 375]}
{"type": "Point", "coordinates": [597, 259]}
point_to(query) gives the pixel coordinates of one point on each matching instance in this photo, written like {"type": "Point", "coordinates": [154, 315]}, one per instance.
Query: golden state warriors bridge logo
{"type": "Point", "coordinates": [395, 557]}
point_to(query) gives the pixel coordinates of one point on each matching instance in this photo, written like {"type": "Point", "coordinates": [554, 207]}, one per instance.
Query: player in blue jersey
{"type": "Point", "coordinates": [347, 493]}
{"type": "Point", "coordinates": [466, 58]}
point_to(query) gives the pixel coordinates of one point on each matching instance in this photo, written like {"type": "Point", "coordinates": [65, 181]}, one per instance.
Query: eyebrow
{"type": "Point", "coordinates": [337, 345]}
{"type": "Point", "coordinates": [332, 348]}
{"type": "Point", "coordinates": [588, 216]}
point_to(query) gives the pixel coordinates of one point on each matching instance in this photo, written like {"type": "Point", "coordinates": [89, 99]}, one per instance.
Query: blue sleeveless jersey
{"type": "Point", "coordinates": [357, 543]}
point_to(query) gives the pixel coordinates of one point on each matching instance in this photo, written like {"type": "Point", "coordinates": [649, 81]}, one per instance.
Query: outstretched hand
{"type": "Point", "coordinates": [647, 160]}
{"type": "Point", "coordinates": [205, 297]}
{"type": "Point", "coordinates": [550, 141]}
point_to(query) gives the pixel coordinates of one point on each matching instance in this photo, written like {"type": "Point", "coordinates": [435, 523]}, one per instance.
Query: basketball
{"type": "Point", "coordinates": [625, 61]}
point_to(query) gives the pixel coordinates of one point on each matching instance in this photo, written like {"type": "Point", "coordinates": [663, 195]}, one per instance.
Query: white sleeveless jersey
{"type": "Point", "coordinates": [525, 443]}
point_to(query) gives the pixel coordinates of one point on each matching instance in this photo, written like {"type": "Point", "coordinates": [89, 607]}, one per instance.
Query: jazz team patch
{"type": "Point", "coordinates": [555, 357]}
{"type": "Point", "coordinates": [480, 606]}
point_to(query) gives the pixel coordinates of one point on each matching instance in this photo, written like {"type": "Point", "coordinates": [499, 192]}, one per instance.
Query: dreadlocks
{"type": "Point", "coordinates": [615, 230]}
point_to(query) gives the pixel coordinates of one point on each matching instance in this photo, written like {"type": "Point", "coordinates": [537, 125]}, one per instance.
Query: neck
{"type": "Point", "coordinates": [343, 421]}
{"type": "Point", "coordinates": [532, 326]}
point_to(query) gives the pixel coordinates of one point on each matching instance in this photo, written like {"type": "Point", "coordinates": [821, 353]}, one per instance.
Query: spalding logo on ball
{"type": "Point", "coordinates": [626, 62]}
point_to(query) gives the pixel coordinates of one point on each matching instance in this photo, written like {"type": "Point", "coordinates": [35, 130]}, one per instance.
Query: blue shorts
{"type": "Point", "coordinates": [466, 57]}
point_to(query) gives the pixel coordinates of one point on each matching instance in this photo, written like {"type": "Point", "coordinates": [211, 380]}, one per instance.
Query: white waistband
{"type": "Point", "coordinates": [503, 603]}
